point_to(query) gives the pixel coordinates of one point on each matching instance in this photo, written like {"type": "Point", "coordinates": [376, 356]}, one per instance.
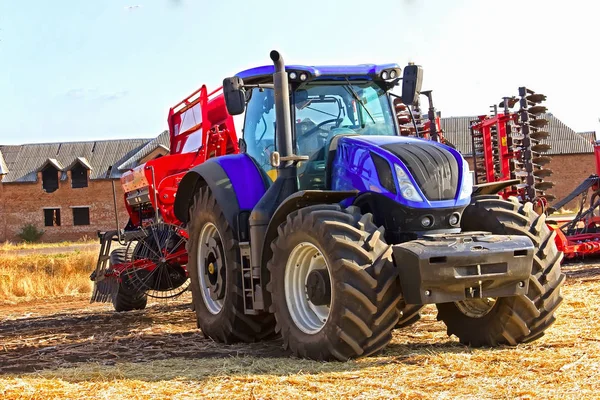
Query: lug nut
{"type": "Point", "coordinates": [428, 293]}
{"type": "Point", "coordinates": [521, 284]}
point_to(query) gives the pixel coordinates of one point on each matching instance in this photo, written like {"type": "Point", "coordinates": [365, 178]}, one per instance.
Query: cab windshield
{"type": "Point", "coordinates": [323, 110]}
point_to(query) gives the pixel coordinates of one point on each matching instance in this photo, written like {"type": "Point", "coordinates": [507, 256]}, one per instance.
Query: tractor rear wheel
{"type": "Point", "coordinates": [517, 319]}
{"type": "Point", "coordinates": [126, 298]}
{"type": "Point", "coordinates": [216, 278]}
{"type": "Point", "coordinates": [334, 287]}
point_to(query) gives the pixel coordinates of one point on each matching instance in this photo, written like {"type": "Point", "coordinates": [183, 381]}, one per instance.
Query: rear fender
{"type": "Point", "coordinates": [235, 181]}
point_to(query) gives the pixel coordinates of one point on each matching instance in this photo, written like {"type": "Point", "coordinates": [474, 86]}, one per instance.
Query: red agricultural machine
{"type": "Point", "coordinates": [151, 260]}
{"type": "Point", "coordinates": [507, 147]}
{"type": "Point", "coordinates": [579, 236]}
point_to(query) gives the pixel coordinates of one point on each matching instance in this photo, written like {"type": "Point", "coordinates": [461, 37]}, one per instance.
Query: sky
{"type": "Point", "coordinates": [73, 70]}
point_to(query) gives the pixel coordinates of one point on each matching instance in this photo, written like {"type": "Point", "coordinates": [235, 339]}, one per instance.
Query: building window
{"type": "Point", "coordinates": [79, 176]}
{"type": "Point", "coordinates": [51, 216]}
{"type": "Point", "coordinates": [81, 216]}
{"type": "Point", "coordinates": [50, 179]}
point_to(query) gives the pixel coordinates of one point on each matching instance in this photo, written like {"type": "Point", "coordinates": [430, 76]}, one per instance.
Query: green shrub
{"type": "Point", "coordinates": [30, 233]}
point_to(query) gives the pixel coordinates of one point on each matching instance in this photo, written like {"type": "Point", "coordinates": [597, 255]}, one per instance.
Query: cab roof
{"type": "Point", "coordinates": [362, 71]}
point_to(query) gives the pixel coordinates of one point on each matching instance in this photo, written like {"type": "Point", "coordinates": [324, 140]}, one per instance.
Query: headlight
{"type": "Point", "coordinates": [293, 75]}
{"type": "Point", "coordinates": [407, 189]}
{"type": "Point", "coordinates": [466, 187]}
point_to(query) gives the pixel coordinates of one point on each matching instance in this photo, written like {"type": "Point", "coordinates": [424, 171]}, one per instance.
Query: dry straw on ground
{"type": "Point", "coordinates": [158, 353]}
{"type": "Point", "coordinates": [10, 246]}
{"type": "Point", "coordinates": [39, 276]}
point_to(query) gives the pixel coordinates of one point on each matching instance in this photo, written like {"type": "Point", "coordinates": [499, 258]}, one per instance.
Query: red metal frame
{"type": "Point", "coordinates": [162, 175]}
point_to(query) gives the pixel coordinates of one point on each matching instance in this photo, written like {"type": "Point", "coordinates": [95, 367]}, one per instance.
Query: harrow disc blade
{"type": "Point", "coordinates": [536, 97]}
{"type": "Point", "coordinates": [540, 148]}
{"type": "Point", "coordinates": [521, 185]}
{"type": "Point", "coordinates": [549, 197]}
{"type": "Point", "coordinates": [545, 185]}
{"type": "Point", "coordinates": [517, 136]}
{"type": "Point", "coordinates": [510, 102]}
{"type": "Point", "coordinates": [537, 110]}
{"type": "Point", "coordinates": [538, 123]}
{"type": "Point", "coordinates": [542, 173]}
{"type": "Point", "coordinates": [521, 173]}
{"type": "Point", "coordinates": [542, 160]}
{"type": "Point", "coordinates": [539, 135]}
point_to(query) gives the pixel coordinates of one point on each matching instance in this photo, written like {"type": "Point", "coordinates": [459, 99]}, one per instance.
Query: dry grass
{"type": "Point", "coordinates": [39, 276]}
{"type": "Point", "coordinates": [421, 362]}
{"type": "Point", "coordinates": [10, 246]}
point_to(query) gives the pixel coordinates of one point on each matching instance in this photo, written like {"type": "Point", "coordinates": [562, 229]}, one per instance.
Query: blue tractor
{"type": "Point", "coordinates": [330, 229]}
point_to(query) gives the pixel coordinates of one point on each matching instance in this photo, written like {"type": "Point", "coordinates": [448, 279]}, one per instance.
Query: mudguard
{"type": "Point", "coordinates": [235, 180]}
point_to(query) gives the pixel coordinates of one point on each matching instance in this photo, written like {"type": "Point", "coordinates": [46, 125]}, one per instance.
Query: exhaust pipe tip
{"type": "Point", "coordinates": [277, 60]}
{"type": "Point", "coordinates": [275, 56]}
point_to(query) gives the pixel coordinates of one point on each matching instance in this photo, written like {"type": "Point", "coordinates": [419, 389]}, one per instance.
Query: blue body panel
{"type": "Point", "coordinates": [248, 184]}
{"type": "Point", "coordinates": [366, 71]}
{"type": "Point", "coordinates": [353, 168]}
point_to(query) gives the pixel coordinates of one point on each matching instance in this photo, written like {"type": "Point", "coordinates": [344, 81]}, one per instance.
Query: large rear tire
{"type": "Point", "coordinates": [126, 298]}
{"type": "Point", "coordinates": [216, 279]}
{"type": "Point", "coordinates": [333, 284]}
{"type": "Point", "coordinates": [517, 319]}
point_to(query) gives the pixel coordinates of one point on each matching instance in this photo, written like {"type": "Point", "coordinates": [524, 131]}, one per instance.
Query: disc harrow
{"type": "Point", "coordinates": [507, 145]}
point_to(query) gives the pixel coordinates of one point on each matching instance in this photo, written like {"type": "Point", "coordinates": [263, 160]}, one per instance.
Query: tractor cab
{"type": "Point", "coordinates": [325, 103]}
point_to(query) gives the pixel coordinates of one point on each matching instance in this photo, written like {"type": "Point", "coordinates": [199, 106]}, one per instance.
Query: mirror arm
{"type": "Point", "coordinates": [412, 117]}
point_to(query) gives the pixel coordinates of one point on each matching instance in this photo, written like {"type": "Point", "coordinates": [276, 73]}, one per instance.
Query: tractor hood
{"type": "Point", "coordinates": [416, 172]}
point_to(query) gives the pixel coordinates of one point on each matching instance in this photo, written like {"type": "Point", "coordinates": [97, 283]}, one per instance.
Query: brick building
{"type": "Point", "coordinates": [66, 188]}
{"type": "Point", "coordinates": [572, 153]}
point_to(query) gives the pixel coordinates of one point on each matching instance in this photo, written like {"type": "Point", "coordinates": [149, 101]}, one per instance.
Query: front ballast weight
{"type": "Point", "coordinates": [447, 268]}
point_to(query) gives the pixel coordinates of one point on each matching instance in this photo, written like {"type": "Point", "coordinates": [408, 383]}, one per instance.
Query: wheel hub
{"type": "Point", "coordinates": [308, 292]}
{"type": "Point", "coordinates": [318, 287]}
{"type": "Point", "coordinates": [214, 271]}
{"type": "Point", "coordinates": [211, 268]}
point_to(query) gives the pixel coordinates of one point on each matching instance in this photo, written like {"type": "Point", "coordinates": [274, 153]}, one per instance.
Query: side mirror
{"type": "Point", "coordinates": [411, 84]}
{"type": "Point", "coordinates": [235, 97]}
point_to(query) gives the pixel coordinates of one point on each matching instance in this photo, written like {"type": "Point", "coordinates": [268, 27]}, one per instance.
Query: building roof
{"type": "Point", "coordinates": [102, 157]}
{"type": "Point", "coordinates": [562, 139]}
{"type": "Point", "coordinates": [161, 140]}
{"type": "Point", "coordinates": [590, 136]}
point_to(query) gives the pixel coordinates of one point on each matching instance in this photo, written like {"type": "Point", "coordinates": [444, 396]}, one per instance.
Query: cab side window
{"type": "Point", "coordinates": [259, 127]}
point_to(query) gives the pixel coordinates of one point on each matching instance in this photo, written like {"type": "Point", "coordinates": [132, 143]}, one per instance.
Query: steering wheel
{"type": "Point", "coordinates": [319, 125]}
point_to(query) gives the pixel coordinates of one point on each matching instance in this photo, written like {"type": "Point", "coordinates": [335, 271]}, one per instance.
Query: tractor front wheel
{"type": "Point", "coordinates": [517, 319]}
{"type": "Point", "coordinates": [216, 278]}
{"type": "Point", "coordinates": [334, 287]}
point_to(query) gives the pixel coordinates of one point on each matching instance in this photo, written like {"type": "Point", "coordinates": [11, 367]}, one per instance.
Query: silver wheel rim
{"type": "Point", "coordinates": [303, 259]}
{"type": "Point", "coordinates": [208, 232]}
{"type": "Point", "coordinates": [476, 308]}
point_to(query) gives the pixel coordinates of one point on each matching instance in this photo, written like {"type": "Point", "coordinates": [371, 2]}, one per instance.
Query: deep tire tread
{"type": "Point", "coordinates": [364, 311]}
{"type": "Point", "coordinates": [231, 325]}
{"type": "Point", "coordinates": [516, 319]}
